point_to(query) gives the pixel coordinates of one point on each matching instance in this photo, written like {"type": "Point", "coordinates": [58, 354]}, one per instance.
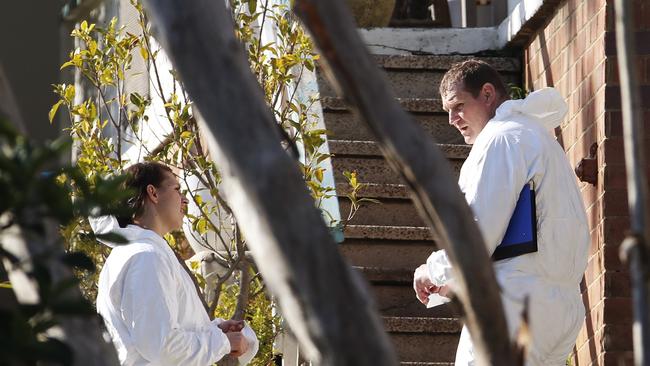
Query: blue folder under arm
{"type": "Point", "coordinates": [521, 236]}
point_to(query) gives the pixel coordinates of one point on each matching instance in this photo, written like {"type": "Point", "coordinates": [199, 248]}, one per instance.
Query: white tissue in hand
{"type": "Point", "coordinates": [435, 300]}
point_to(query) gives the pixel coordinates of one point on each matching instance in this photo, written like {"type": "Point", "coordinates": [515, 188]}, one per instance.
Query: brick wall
{"type": "Point", "coordinates": [576, 53]}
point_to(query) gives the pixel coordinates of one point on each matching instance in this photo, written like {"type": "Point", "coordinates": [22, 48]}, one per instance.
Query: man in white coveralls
{"type": "Point", "coordinates": [512, 147]}
{"type": "Point", "coordinates": [149, 303]}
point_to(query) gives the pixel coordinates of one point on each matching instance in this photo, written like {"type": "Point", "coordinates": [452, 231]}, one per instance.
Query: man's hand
{"type": "Point", "coordinates": [238, 343]}
{"type": "Point", "coordinates": [424, 287]}
{"type": "Point", "coordinates": [228, 326]}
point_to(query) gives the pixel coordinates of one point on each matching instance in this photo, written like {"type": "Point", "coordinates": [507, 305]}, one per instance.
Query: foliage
{"type": "Point", "coordinates": [104, 56]}
{"type": "Point", "coordinates": [30, 194]}
{"type": "Point", "coordinates": [516, 92]}
{"type": "Point", "coordinates": [257, 316]}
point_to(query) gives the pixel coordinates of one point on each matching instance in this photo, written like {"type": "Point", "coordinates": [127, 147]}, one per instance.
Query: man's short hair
{"type": "Point", "coordinates": [472, 75]}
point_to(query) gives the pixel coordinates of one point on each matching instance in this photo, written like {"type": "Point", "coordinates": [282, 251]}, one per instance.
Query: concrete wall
{"type": "Point", "coordinates": [30, 50]}
{"type": "Point", "coordinates": [576, 53]}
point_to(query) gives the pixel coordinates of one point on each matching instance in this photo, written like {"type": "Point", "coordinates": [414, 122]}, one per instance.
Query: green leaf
{"type": "Point", "coordinates": [202, 226]}
{"type": "Point", "coordinates": [69, 93]}
{"type": "Point", "coordinates": [252, 6]}
{"type": "Point", "coordinates": [144, 53]}
{"type": "Point", "coordinates": [53, 110]}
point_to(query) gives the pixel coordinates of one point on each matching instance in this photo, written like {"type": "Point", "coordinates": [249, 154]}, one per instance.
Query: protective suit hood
{"type": "Point", "coordinates": [103, 225]}
{"type": "Point", "coordinates": [545, 105]}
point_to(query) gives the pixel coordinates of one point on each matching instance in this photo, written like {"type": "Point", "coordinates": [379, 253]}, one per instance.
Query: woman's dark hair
{"type": "Point", "coordinates": [139, 177]}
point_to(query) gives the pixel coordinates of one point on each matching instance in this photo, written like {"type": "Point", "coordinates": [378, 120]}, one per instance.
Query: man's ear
{"type": "Point", "coordinates": [152, 193]}
{"type": "Point", "coordinates": [488, 93]}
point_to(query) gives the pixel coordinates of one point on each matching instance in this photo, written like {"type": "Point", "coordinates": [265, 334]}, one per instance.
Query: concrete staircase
{"type": "Point", "coordinates": [387, 241]}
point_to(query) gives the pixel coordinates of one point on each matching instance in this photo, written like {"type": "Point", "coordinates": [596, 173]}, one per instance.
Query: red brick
{"type": "Point", "coordinates": [596, 290]}
{"type": "Point", "coordinates": [611, 255]}
{"type": "Point", "coordinates": [610, 19]}
{"type": "Point", "coordinates": [615, 228]}
{"type": "Point", "coordinates": [595, 237]}
{"type": "Point", "coordinates": [590, 194]}
{"type": "Point", "coordinates": [617, 284]}
{"type": "Point", "coordinates": [618, 358]}
{"type": "Point", "coordinates": [615, 202]}
{"type": "Point", "coordinates": [591, 350]}
{"type": "Point", "coordinates": [614, 124]}
{"type": "Point", "coordinates": [597, 27]}
{"type": "Point", "coordinates": [595, 268]}
{"type": "Point", "coordinates": [612, 71]}
{"type": "Point", "coordinates": [618, 310]}
{"type": "Point", "coordinates": [642, 46]}
{"type": "Point", "coordinates": [614, 176]}
{"type": "Point", "coordinates": [612, 151]}
{"type": "Point", "coordinates": [617, 337]}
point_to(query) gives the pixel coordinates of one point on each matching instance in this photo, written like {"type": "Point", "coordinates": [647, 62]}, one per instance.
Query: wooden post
{"type": "Point", "coordinates": [413, 155]}
{"type": "Point", "coordinates": [325, 303]}
{"type": "Point", "coordinates": [636, 246]}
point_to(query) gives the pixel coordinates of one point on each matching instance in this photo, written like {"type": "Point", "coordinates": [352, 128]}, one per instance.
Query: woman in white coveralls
{"type": "Point", "coordinates": [512, 146]}
{"type": "Point", "coordinates": [148, 301]}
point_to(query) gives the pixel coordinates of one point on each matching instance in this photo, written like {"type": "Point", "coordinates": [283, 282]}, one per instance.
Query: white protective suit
{"type": "Point", "coordinates": [150, 305]}
{"type": "Point", "coordinates": [514, 148]}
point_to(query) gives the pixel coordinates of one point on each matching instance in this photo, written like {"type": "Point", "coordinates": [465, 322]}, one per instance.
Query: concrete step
{"type": "Point", "coordinates": [371, 149]}
{"type": "Point", "coordinates": [400, 300]}
{"type": "Point", "coordinates": [386, 253]}
{"type": "Point", "coordinates": [387, 276]}
{"type": "Point", "coordinates": [442, 62]}
{"type": "Point", "coordinates": [344, 125]}
{"type": "Point", "coordinates": [419, 233]}
{"type": "Point", "coordinates": [410, 324]}
{"type": "Point", "coordinates": [417, 77]}
{"type": "Point", "coordinates": [374, 169]}
{"type": "Point", "coordinates": [389, 211]}
{"type": "Point", "coordinates": [393, 289]}
{"type": "Point", "coordinates": [413, 347]}
{"type": "Point", "coordinates": [376, 190]}
{"type": "Point", "coordinates": [364, 157]}
{"type": "Point", "coordinates": [413, 105]}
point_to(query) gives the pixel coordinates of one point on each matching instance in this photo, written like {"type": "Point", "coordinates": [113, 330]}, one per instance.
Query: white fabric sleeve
{"type": "Point", "coordinates": [493, 190]}
{"type": "Point", "coordinates": [439, 267]}
{"type": "Point", "coordinates": [148, 307]}
{"type": "Point", "coordinates": [253, 345]}
{"type": "Point", "coordinates": [251, 337]}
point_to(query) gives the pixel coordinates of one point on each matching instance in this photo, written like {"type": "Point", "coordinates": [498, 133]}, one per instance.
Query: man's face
{"type": "Point", "coordinates": [171, 202]}
{"type": "Point", "coordinates": [468, 114]}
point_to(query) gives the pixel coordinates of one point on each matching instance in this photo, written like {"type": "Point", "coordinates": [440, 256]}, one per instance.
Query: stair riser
{"type": "Point", "coordinates": [400, 300]}
{"type": "Point", "coordinates": [385, 253]}
{"type": "Point", "coordinates": [409, 83]}
{"type": "Point", "coordinates": [374, 170]}
{"type": "Point", "coordinates": [397, 212]}
{"type": "Point", "coordinates": [425, 347]}
{"type": "Point", "coordinates": [346, 126]}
